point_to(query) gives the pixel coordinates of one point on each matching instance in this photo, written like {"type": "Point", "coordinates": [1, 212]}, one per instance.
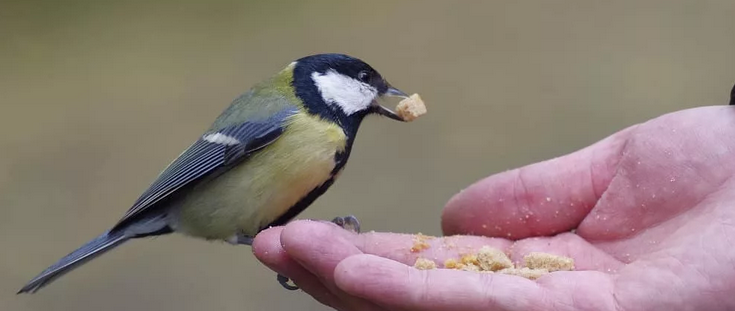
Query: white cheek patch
{"type": "Point", "coordinates": [348, 94]}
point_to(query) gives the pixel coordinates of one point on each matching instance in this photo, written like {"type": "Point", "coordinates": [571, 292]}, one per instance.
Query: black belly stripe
{"type": "Point", "coordinates": [301, 205]}
{"type": "Point", "coordinates": [340, 159]}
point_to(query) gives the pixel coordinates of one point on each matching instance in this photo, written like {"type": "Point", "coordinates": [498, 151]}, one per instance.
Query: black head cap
{"type": "Point", "coordinates": [343, 64]}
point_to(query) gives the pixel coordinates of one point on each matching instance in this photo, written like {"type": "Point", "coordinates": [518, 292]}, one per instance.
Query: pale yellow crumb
{"type": "Point", "coordinates": [493, 259]}
{"type": "Point", "coordinates": [549, 262]}
{"type": "Point", "coordinates": [424, 264]}
{"type": "Point", "coordinates": [452, 263]}
{"type": "Point", "coordinates": [530, 274]}
{"type": "Point", "coordinates": [488, 259]}
{"type": "Point", "coordinates": [469, 259]}
{"type": "Point", "coordinates": [419, 242]}
{"type": "Point", "coordinates": [411, 108]}
{"type": "Point", "coordinates": [473, 268]}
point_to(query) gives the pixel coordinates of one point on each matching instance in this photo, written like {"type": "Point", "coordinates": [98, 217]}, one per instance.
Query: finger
{"type": "Point", "coordinates": [395, 285]}
{"type": "Point", "coordinates": [586, 256]}
{"type": "Point", "coordinates": [267, 248]}
{"type": "Point", "coordinates": [319, 247]}
{"type": "Point", "coordinates": [540, 199]}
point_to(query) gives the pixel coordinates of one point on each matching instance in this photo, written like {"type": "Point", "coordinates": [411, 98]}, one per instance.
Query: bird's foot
{"type": "Point", "coordinates": [283, 280]}
{"type": "Point", "coordinates": [349, 223]}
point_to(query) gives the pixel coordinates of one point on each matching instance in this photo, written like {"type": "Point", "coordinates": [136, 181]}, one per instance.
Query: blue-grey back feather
{"type": "Point", "coordinates": [208, 159]}
{"type": "Point", "coordinates": [204, 159]}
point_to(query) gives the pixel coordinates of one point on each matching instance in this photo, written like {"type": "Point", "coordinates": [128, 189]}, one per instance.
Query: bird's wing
{"type": "Point", "coordinates": [212, 154]}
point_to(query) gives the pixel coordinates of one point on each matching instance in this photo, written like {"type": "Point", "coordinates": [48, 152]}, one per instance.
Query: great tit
{"type": "Point", "coordinates": [266, 158]}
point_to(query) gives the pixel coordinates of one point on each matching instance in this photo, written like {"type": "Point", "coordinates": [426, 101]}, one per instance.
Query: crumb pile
{"type": "Point", "coordinates": [492, 260]}
{"type": "Point", "coordinates": [411, 108]}
{"type": "Point", "coordinates": [419, 242]}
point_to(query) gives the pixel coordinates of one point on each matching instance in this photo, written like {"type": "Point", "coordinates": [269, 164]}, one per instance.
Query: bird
{"type": "Point", "coordinates": [267, 157]}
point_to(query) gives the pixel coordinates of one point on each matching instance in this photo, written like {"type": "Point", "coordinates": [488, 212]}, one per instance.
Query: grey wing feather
{"type": "Point", "coordinates": [209, 157]}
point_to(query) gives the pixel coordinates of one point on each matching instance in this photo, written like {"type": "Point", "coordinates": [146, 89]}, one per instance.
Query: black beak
{"type": "Point", "coordinates": [395, 92]}
{"type": "Point", "coordinates": [391, 92]}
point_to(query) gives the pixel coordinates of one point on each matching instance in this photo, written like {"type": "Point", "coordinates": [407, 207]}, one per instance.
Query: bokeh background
{"type": "Point", "coordinates": [97, 96]}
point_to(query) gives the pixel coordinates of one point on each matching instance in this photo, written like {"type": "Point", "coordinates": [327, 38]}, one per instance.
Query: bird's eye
{"type": "Point", "coordinates": [364, 76]}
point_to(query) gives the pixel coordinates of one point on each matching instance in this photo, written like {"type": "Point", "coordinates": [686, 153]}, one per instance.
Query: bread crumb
{"type": "Point", "coordinates": [419, 242]}
{"type": "Point", "coordinates": [452, 263]}
{"type": "Point", "coordinates": [473, 268]}
{"type": "Point", "coordinates": [493, 259]}
{"type": "Point", "coordinates": [530, 274]}
{"type": "Point", "coordinates": [424, 264]}
{"type": "Point", "coordinates": [469, 259]}
{"type": "Point", "coordinates": [549, 262]}
{"type": "Point", "coordinates": [411, 108]}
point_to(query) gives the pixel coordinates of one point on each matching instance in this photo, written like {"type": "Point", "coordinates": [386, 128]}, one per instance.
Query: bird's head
{"type": "Point", "coordinates": [342, 86]}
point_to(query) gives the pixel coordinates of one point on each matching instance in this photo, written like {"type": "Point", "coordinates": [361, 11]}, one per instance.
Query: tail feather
{"type": "Point", "coordinates": [92, 249]}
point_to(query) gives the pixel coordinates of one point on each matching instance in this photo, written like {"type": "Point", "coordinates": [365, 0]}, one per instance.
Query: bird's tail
{"type": "Point", "coordinates": [92, 249]}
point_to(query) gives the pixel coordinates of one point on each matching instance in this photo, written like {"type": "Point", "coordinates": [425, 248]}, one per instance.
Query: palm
{"type": "Point", "coordinates": [652, 209]}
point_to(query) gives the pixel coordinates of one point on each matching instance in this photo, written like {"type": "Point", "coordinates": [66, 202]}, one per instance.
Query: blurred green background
{"type": "Point", "coordinates": [97, 96]}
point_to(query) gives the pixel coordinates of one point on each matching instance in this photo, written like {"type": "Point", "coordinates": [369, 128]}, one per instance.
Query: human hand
{"type": "Point", "coordinates": [653, 207]}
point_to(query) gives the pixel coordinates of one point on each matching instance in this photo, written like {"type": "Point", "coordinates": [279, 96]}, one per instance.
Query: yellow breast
{"type": "Point", "coordinates": [266, 185]}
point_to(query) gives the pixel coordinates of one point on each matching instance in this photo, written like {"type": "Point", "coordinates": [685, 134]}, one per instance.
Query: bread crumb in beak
{"type": "Point", "coordinates": [411, 108]}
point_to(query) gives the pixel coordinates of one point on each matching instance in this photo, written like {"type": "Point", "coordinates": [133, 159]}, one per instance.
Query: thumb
{"type": "Point", "coordinates": [536, 200]}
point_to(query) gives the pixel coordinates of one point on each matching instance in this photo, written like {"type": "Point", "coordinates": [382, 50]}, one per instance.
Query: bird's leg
{"type": "Point", "coordinates": [349, 223]}
{"type": "Point", "coordinates": [243, 240]}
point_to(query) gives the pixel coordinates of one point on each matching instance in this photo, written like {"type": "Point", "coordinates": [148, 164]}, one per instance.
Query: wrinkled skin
{"type": "Point", "coordinates": [653, 207]}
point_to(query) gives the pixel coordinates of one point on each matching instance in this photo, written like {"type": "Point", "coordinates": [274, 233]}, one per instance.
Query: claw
{"type": "Point", "coordinates": [349, 223]}
{"type": "Point", "coordinates": [284, 282]}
